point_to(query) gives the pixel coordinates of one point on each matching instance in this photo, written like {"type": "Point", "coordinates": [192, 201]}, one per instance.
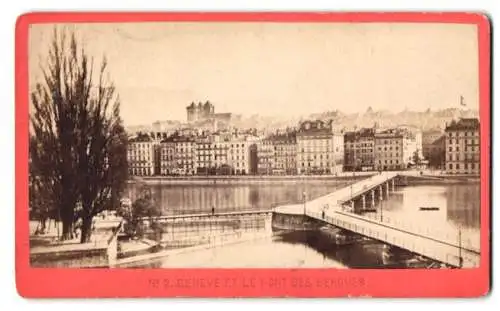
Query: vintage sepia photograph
{"type": "Point", "coordinates": [171, 144]}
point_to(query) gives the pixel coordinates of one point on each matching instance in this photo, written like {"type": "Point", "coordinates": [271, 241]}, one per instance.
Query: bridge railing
{"type": "Point", "coordinates": [444, 254]}
{"type": "Point", "coordinates": [365, 186]}
{"type": "Point", "coordinates": [470, 239]}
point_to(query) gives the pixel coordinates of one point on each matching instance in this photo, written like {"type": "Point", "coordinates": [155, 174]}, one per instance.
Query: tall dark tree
{"type": "Point", "coordinates": [42, 207]}
{"type": "Point", "coordinates": [79, 143]}
{"type": "Point", "coordinates": [102, 153]}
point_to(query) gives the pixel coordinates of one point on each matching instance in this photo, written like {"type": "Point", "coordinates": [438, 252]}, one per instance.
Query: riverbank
{"type": "Point", "coordinates": [47, 250]}
{"type": "Point", "coordinates": [283, 179]}
{"type": "Point", "coordinates": [248, 179]}
{"type": "Point", "coordinates": [443, 179]}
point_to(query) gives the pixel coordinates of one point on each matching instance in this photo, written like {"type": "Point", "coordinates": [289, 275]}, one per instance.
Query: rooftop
{"type": "Point", "coordinates": [316, 127]}
{"type": "Point", "coordinates": [463, 124]}
{"type": "Point", "coordinates": [364, 132]}
{"type": "Point", "coordinates": [140, 138]}
{"type": "Point", "coordinates": [200, 104]}
{"type": "Point", "coordinates": [176, 137]}
{"type": "Point", "coordinates": [282, 137]}
{"type": "Point", "coordinates": [395, 133]}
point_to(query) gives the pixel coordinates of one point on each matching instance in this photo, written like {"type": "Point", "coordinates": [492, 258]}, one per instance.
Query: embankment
{"type": "Point", "coordinates": [229, 180]}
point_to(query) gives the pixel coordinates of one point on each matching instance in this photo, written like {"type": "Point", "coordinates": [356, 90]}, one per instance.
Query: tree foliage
{"type": "Point", "coordinates": [78, 142]}
{"type": "Point", "coordinates": [144, 207]}
{"type": "Point", "coordinates": [416, 157]}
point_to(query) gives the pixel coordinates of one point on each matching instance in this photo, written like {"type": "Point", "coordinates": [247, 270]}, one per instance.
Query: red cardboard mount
{"type": "Point", "coordinates": [49, 282]}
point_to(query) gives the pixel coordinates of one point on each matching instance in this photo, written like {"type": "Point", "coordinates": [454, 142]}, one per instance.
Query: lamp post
{"type": "Point", "coordinates": [460, 259]}
{"type": "Point", "coordinates": [381, 213]}
{"type": "Point", "coordinates": [304, 201]}
{"type": "Point", "coordinates": [352, 182]}
{"type": "Point", "coordinates": [381, 205]}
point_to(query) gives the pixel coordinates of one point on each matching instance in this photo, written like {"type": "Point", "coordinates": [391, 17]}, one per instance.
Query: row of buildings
{"type": "Point", "coordinates": [389, 149]}
{"type": "Point", "coordinates": [315, 147]}
{"type": "Point", "coordinates": [457, 149]}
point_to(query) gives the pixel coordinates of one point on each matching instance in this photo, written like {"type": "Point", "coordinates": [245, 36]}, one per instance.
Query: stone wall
{"type": "Point", "coordinates": [91, 257]}
{"type": "Point", "coordinates": [112, 249]}
{"type": "Point", "coordinates": [102, 254]}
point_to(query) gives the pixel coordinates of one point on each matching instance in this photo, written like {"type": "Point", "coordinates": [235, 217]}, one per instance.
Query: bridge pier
{"type": "Point", "coordinates": [387, 190]}
{"type": "Point", "coordinates": [381, 197]}
{"type": "Point", "coordinates": [363, 201]}
{"type": "Point", "coordinates": [392, 184]}
{"type": "Point", "coordinates": [373, 198]}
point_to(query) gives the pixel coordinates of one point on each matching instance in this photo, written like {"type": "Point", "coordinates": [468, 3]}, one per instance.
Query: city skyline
{"type": "Point", "coordinates": [282, 70]}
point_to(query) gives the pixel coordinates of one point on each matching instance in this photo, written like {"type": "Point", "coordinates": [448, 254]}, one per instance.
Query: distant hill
{"type": "Point", "coordinates": [420, 119]}
{"type": "Point", "coordinates": [424, 120]}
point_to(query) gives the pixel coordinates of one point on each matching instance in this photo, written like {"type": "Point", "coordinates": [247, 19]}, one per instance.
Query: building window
{"type": "Point", "coordinates": [458, 166]}
{"type": "Point", "coordinates": [451, 165]}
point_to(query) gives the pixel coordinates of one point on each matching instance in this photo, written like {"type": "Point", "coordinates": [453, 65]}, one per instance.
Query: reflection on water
{"type": "Point", "coordinates": [182, 199]}
{"type": "Point", "coordinates": [458, 208]}
{"type": "Point", "coordinates": [458, 204]}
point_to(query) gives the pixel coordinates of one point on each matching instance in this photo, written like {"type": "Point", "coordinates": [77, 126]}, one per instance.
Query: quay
{"type": "Point", "coordinates": [186, 217]}
{"type": "Point", "coordinates": [342, 208]}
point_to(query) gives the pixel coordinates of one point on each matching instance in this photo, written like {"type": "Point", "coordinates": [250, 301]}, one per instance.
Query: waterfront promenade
{"type": "Point", "coordinates": [46, 250]}
{"type": "Point", "coordinates": [336, 209]}
{"type": "Point", "coordinates": [246, 179]}
{"type": "Point", "coordinates": [194, 180]}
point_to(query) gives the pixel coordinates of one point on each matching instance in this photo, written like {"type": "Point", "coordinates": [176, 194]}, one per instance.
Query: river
{"type": "Point", "coordinates": [458, 210]}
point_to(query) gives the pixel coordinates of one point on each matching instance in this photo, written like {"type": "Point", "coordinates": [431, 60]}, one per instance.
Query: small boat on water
{"type": "Point", "coordinates": [429, 208]}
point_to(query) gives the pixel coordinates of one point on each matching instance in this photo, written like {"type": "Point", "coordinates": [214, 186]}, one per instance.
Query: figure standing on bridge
{"type": "Point", "coordinates": [213, 210]}
{"type": "Point", "coordinates": [323, 214]}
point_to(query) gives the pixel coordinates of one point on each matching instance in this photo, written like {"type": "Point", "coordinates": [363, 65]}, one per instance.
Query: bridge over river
{"type": "Point", "coordinates": [342, 208]}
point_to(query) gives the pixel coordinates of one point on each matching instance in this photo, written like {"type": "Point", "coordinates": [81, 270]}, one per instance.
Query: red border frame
{"type": "Point", "coordinates": [33, 282]}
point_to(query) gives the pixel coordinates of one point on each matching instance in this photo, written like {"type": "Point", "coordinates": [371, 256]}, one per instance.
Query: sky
{"type": "Point", "coordinates": [277, 69]}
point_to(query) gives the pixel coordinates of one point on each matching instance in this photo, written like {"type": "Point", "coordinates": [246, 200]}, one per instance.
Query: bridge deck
{"type": "Point", "coordinates": [362, 186]}
{"type": "Point", "coordinates": [417, 241]}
